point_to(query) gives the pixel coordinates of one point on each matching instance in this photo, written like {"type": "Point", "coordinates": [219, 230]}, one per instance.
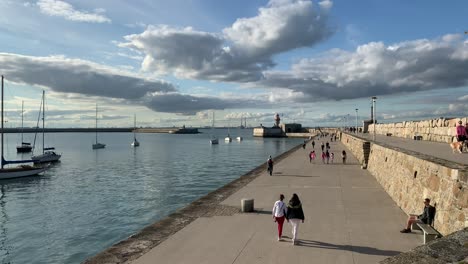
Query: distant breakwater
{"type": "Point", "coordinates": [171, 130]}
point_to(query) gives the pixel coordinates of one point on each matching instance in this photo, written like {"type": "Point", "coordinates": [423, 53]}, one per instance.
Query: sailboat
{"type": "Point", "coordinates": [214, 139]}
{"type": "Point", "coordinates": [48, 154]}
{"type": "Point", "coordinates": [97, 145]}
{"type": "Point", "coordinates": [228, 138]}
{"type": "Point", "coordinates": [25, 146]}
{"type": "Point", "coordinates": [135, 142]}
{"type": "Point", "coordinates": [21, 171]}
{"type": "Point", "coordinates": [239, 138]}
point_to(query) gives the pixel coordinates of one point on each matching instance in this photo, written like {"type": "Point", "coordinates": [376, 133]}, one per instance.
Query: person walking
{"type": "Point", "coordinates": [270, 165]}
{"type": "Point", "coordinates": [312, 156]}
{"type": "Point", "coordinates": [295, 215]}
{"type": "Point", "coordinates": [323, 157]}
{"type": "Point", "coordinates": [323, 146]}
{"type": "Point", "coordinates": [279, 214]}
{"type": "Point", "coordinates": [327, 155]}
{"type": "Point", "coordinates": [332, 157]}
{"type": "Point", "coordinates": [461, 134]}
{"type": "Point", "coordinates": [343, 156]}
{"type": "Point", "coordinates": [313, 144]}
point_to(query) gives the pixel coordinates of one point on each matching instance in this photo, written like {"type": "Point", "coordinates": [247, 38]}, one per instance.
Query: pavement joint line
{"type": "Point", "coordinates": [242, 250]}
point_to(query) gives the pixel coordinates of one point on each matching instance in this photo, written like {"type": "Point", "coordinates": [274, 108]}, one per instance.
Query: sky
{"type": "Point", "coordinates": [174, 63]}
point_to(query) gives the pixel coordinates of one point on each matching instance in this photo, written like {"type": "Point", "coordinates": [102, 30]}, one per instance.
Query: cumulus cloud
{"type": "Point", "coordinates": [242, 52]}
{"type": "Point", "coordinates": [376, 69]}
{"type": "Point", "coordinates": [66, 75]}
{"type": "Point", "coordinates": [63, 9]}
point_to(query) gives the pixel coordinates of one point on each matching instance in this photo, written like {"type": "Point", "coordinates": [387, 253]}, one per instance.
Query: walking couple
{"type": "Point", "coordinates": [292, 213]}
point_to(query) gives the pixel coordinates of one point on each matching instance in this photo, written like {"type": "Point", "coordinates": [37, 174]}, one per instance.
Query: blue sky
{"type": "Point", "coordinates": [174, 62]}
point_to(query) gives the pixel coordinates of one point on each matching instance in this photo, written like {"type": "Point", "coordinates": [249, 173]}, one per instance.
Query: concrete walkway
{"type": "Point", "coordinates": [349, 219]}
{"type": "Point", "coordinates": [431, 148]}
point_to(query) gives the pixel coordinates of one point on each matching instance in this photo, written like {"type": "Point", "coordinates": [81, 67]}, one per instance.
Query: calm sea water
{"type": "Point", "coordinates": [95, 198]}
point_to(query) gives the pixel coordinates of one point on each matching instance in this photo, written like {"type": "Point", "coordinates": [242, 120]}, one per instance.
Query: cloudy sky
{"type": "Point", "coordinates": [175, 62]}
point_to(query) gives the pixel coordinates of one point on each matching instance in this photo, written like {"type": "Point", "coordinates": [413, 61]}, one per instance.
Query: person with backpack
{"type": "Point", "coordinates": [279, 214]}
{"type": "Point", "coordinates": [270, 165]}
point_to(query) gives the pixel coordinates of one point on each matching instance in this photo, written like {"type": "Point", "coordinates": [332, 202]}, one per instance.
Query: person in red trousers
{"type": "Point", "coordinates": [279, 212]}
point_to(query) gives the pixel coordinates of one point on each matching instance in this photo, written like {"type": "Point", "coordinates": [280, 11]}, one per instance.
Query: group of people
{"type": "Point", "coordinates": [293, 214]}
{"type": "Point", "coordinates": [327, 156]}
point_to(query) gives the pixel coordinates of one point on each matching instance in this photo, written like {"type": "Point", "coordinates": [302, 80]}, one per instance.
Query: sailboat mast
{"type": "Point", "coordinates": [22, 117]}
{"type": "Point", "coordinates": [96, 123]}
{"type": "Point", "coordinates": [134, 126]}
{"type": "Point", "coordinates": [43, 120]}
{"type": "Point", "coordinates": [2, 122]}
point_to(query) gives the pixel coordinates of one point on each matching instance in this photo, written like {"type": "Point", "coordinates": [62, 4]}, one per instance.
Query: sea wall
{"type": "Point", "coordinates": [440, 130]}
{"type": "Point", "coordinates": [449, 249]}
{"type": "Point", "coordinates": [409, 177]}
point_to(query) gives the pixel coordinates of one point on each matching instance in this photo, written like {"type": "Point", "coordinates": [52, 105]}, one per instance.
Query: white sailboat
{"type": "Point", "coordinates": [228, 137]}
{"type": "Point", "coordinates": [135, 142]}
{"type": "Point", "coordinates": [239, 138]}
{"type": "Point", "coordinates": [214, 139]}
{"type": "Point", "coordinates": [48, 154]}
{"type": "Point", "coordinates": [16, 172]}
{"type": "Point", "coordinates": [25, 147]}
{"type": "Point", "coordinates": [97, 145]}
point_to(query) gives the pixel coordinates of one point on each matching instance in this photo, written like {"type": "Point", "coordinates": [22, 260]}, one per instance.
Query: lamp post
{"type": "Point", "coordinates": [356, 120]}
{"type": "Point", "coordinates": [373, 115]}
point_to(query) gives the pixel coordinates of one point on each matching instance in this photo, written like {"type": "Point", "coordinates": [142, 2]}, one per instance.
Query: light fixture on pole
{"type": "Point", "coordinates": [373, 115]}
{"type": "Point", "coordinates": [356, 120]}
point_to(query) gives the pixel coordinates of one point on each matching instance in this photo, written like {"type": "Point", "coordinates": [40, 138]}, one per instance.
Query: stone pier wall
{"type": "Point", "coordinates": [440, 130]}
{"type": "Point", "coordinates": [409, 177]}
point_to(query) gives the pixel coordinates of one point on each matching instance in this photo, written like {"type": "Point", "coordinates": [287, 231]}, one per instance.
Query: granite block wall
{"type": "Point", "coordinates": [440, 130]}
{"type": "Point", "coordinates": [410, 177]}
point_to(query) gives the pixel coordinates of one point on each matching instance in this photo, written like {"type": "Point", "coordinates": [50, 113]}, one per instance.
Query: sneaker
{"type": "Point", "coordinates": [405, 231]}
{"type": "Point", "coordinates": [279, 238]}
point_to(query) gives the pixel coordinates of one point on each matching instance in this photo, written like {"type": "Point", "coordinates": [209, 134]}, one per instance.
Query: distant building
{"type": "Point", "coordinates": [278, 130]}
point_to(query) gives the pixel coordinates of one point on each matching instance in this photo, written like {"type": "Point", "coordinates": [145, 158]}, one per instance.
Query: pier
{"type": "Point", "coordinates": [353, 211]}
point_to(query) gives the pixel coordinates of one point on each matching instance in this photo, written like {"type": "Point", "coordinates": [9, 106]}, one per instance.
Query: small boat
{"type": "Point", "coordinates": [135, 142]}
{"type": "Point", "coordinates": [25, 147]}
{"type": "Point", "coordinates": [97, 145]}
{"type": "Point", "coordinates": [239, 138]}
{"type": "Point", "coordinates": [228, 137]}
{"type": "Point", "coordinates": [48, 155]}
{"type": "Point", "coordinates": [214, 140]}
{"type": "Point", "coordinates": [22, 170]}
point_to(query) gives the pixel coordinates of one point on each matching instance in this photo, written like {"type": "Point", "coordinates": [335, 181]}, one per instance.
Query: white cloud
{"type": "Point", "coordinates": [376, 69]}
{"type": "Point", "coordinates": [67, 11]}
{"type": "Point", "coordinates": [67, 75]}
{"type": "Point", "coordinates": [241, 53]}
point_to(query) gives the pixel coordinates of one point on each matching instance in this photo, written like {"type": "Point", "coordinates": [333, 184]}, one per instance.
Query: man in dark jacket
{"type": "Point", "coordinates": [427, 217]}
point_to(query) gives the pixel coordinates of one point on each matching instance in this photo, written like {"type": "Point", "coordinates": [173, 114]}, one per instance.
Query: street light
{"type": "Point", "coordinates": [373, 115]}
{"type": "Point", "coordinates": [356, 120]}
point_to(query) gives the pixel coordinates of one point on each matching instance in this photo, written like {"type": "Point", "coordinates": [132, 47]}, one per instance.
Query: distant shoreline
{"type": "Point", "coordinates": [175, 130]}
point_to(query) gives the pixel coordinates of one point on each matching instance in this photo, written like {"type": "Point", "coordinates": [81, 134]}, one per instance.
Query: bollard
{"type": "Point", "coordinates": [247, 205]}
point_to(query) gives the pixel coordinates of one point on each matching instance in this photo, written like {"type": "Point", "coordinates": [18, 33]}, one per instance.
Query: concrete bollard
{"type": "Point", "coordinates": [247, 205]}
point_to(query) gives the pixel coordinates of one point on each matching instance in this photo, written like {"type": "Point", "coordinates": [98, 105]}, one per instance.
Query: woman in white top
{"type": "Point", "coordinates": [279, 212]}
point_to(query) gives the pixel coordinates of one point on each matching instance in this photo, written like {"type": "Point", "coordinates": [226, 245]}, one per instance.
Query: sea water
{"type": "Point", "coordinates": [95, 198]}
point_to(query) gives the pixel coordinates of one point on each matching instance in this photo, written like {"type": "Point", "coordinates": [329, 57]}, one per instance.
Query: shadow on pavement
{"type": "Point", "coordinates": [357, 249]}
